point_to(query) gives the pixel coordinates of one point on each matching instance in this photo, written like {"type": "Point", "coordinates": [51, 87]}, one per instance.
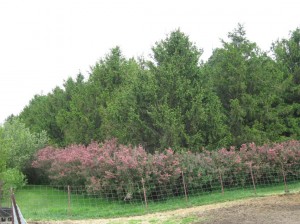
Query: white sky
{"type": "Point", "coordinates": [42, 43]}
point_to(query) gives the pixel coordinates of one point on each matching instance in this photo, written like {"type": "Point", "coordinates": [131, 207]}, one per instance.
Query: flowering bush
{"type": "Point", "coordinates": [198, 170]}
{"type": "Point", "coordinates": [116, 170]}
{"type": "Point", "coordinates": [63, 166]}
{"type": "Point", "coordinates": [108, 167]}
{"type": "Point", "coordinates": [163, 173]}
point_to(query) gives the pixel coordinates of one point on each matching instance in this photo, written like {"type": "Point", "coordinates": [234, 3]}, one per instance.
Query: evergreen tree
{"type": "Point", "coordinates": [249, 85]}
{"type": "Point", "coordinates": [187, 113]}
{"type": "Point", "coordinates": [287, 55]}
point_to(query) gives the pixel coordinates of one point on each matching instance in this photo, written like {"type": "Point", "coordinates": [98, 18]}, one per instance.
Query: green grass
{"type": "Point", "coordinates": [47, 203]}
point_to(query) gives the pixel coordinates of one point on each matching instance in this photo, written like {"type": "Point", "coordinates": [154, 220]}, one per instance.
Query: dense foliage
{"type": "Point", "coordinates": [241, 94]}
{"type": "Point", "coordinates": [173, 100]}
{"type": "Point", "coordinates": [115, 169]}
{"type": "Point", "coordinates": [17, 148]}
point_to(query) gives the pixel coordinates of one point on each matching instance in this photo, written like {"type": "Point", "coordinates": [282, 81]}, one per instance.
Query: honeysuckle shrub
{"type": "Point", "coordinates": [113, 170]}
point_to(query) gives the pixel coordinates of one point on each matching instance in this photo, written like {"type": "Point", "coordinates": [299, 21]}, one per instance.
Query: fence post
{"type": "Point", "coordinates": [184, 187]}
{"type": "Point", "coordinates": [69, 201]}
{"type": "Point", "coordinates": [252, 177]}
{"type": "Point", "coordinates": [145, 196]}
{"type": "Point", "coordinates": [286, 190]}
{"type": "Point", "coordinates": [15, 208]}
{"type": "Point", "coordinates": [221, 181]}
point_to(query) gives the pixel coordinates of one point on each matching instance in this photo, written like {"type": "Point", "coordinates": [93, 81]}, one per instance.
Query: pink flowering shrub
{"type": "Point", "coordinates": [240, 167]}
{"type": "Point", "coordinates": [63, 166]}
{"type": "Point", "coordinates": [164, 167]}
{"type": "Point", "coordinates": [163, 173]}
{"type": "Point", "coordinates": [198, 170]}
{"type": "Point", "coordinates": [108, 168]}
{"type": "Point", "coordinates": [121, 169]}
{"type": "Point", "coordinates": [115, 170]}
{"type": "Point", "coordinates": [228, 166]}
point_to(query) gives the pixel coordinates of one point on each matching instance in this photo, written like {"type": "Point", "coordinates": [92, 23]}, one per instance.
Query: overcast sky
{"type": "Point", "coordinates": [42, 43]}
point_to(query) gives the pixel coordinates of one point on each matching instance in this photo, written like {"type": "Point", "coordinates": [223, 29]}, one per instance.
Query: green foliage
{"type": "Point", "coordinates": [182, 114]}
{"type": "Point", "coordinates": [12, 178]}
{"type": "Point", "coordinates": [240, 94]}
{"type": "Point", "coordinates": [250, 86]}
{"type": "Point", "coordinates": [9, 177]}
{"type": "Point", "coordinates": [3, 151]}
{"type": "Point", "coordinates": [21, 143]}
{"type": "Point", "coordinates": [75, 119]}
{"type": "Point", "coordinates": [40, 115]}
{"type": "Point", "coordinates": [119, 112]}
{"type": "Point", "coordinates": [287, 55]}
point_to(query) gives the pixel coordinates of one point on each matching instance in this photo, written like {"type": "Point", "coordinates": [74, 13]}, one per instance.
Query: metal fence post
{"type": "Point", "coordinates": [252, 177]}
{"type": "Point", "coordinates": [221, 181]}
{"type": "Point", "coordinates": [69, 201]}
{"type": "Point", "coordinates": [286, 189]}
{"type": "Point", "coordinates": [145, 196]}
{"type": "Point", "coordinates": [184, 187]}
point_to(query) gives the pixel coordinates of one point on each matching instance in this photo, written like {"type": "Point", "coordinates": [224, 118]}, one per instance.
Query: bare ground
{"type": "Point", "coordinates": [266, 210]}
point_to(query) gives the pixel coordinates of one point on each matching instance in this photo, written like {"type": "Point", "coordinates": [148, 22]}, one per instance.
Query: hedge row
{"type": "Point", "coordinates": [117, 168]}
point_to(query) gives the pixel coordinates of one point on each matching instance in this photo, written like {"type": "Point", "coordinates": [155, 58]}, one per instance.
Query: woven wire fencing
{"type": "Point", "coordinates": [145, 196]}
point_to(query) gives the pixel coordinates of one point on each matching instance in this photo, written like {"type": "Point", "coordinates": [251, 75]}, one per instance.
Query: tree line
{"type": "Point", "coordinates": [240, 94]}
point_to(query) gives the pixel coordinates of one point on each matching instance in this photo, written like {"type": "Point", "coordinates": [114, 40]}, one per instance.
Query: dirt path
{"type": "Point", "coordinates": [269, 210]}
{"type": "Point", "coordinates": [266, 210]}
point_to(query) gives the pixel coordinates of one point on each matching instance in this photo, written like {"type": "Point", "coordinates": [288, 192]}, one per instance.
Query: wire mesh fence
{"type": "Point", "coordinates": [119, 199]}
